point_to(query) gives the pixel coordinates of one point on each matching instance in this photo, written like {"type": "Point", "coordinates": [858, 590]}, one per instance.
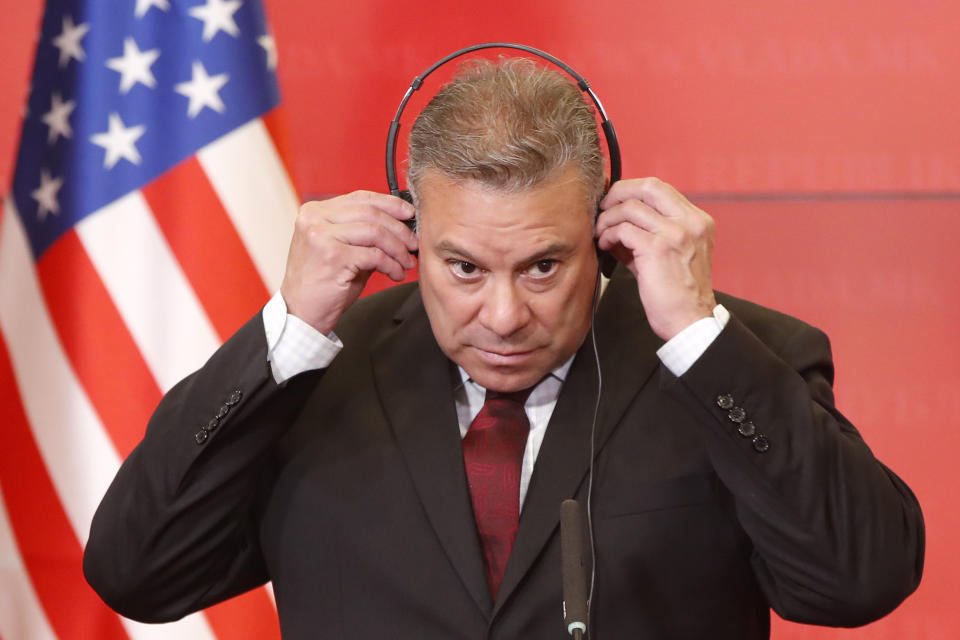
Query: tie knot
{"type": "Point", "coordinates": [504, 408]}
{"type": "Point", "coordinates": [519, 397]}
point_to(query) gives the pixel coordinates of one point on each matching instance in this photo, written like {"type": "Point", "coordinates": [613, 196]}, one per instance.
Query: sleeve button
{"type": "Point", "coordinates": [747, 429]}
{"type": "Point", "coordinates": [760, 443]}
{"type": "Point", "coordinates": [737, 414]}
{"type": "Point", "coordinates": [725, 401]}
{"type": "Point", "coordinates": [201, 436]}
{"type": "Point", "coordinates": [234, 397]}
{"type": "Point", "coordinates": [222, 412]}
{"type": "Point", "coordinates": [213, 424]}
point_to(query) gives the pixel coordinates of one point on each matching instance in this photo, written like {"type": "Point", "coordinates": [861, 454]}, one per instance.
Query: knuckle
{"type": "Point", "coordinates": [374, 231]}
{"type": "Point", "coordinates": [710, 224]}
{"type": "Point", "coordinates": [633, 207]}
{"type": "Point", "coordinates": [368, 211]}
{"type": "Point", "coordinates": [696, 228]}
{"type": "Point", "coordinates": [302, 224]}
{"type": "Point", "coordinates": [380, 259]}
{"type": "Point", "coordinates": [663, 242]}
{"type": "Point", "coordinates": [651, 183]}
{"type": "Point", "coordinates": [703, 227]}
{"type": "Point", "coordinates": [307, 209]}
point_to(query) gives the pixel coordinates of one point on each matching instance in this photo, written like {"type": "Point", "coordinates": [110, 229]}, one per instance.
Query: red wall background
{"type": "Point", "coordinates": [823, 136]}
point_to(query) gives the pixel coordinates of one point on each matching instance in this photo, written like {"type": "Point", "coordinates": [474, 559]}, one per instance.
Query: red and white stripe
{"type": "Point", "coordinates": [119, 309]}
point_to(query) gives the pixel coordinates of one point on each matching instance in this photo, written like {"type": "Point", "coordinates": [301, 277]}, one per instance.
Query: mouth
{"type": "Point", "coordinates": [504, 357]}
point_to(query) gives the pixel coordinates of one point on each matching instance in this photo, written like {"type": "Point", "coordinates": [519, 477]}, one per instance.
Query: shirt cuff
{"type": "Point", "coordinates": [293, 346]}
{"type": "Point", "coordinates": [680, 352]}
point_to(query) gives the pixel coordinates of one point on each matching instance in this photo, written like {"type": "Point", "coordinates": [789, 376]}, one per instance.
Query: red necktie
{"type": "Point", "coordinates": [493, 454]}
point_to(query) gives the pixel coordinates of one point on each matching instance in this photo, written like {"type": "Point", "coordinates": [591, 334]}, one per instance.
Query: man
{"type": "Point", "coordinates": [724, 482]}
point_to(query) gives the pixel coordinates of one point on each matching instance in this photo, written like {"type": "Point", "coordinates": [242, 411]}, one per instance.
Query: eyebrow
{"type": "Point", "coordinates": [556, 249]}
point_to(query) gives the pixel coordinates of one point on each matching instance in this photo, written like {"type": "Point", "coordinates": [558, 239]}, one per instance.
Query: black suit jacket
{"type": "Point", "coordinates": [346, 488]}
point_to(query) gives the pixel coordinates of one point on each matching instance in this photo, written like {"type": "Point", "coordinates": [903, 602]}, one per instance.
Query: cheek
{"type": "Point", "coordinates": [449, 308]}
{"type": "Point", "coordinates": [566, 312]}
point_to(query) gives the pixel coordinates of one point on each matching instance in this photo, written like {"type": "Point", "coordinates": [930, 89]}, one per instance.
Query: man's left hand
{"type": "Point", "coordinates": [667, 243]}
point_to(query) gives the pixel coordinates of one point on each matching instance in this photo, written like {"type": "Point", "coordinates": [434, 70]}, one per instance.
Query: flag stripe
{"type": "Point", "coordinates": [100, 348]}
{"type": "Point", "coordinates": [276, 125]}
{"type": "Point", "coordinates": [74, 450]}
{"type": "Point", "coordinates": [21, 615]}
{"type": "Point", "coordinates": [207, 246]}
{"type": "Point", "coordinates": [79, 458]}
{"type": "Point", "coordinates": [149, 288]}
{"type": "Point", "coordinates": [245, 614]}
{"type": "Point", "coordinates": [127, 268]}
{"type": "Point", "coordinates": [51, 553]}
{"type": "Point", "coordinates": [249, 178]}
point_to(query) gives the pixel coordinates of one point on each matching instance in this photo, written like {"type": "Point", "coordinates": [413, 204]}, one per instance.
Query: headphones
{"type": "Point", "coordinates": [607, 261]}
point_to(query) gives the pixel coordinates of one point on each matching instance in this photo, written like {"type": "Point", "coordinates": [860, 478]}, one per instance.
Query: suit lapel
{"type": "Point", "coordinates": [415, 382]}
{"type": "Point", "coordinates": [627, 351]}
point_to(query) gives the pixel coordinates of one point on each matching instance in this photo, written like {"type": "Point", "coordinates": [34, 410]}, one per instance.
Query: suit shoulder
{"type": "Point", "coordinates": [772, 327]}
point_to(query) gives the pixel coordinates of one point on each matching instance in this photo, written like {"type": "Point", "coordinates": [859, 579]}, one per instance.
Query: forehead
{"type": "Point", "coordinates": [446, 205]}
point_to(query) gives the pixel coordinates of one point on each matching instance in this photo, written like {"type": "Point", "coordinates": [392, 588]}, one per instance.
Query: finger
{"type": "Point", "coordinates": [641, 215]}
{"type": "Point", "coordinates": [627, 244]}
{"type": "Point", "coordinates": [652, 191]}
{"type": "Point", "coordinates": [355, 206]}
{"type": "Point", "coordinates": [397, 208]}
{"type": "Point", "coordinates": [368, 213]}
{"type": "Point", "coordinates": [366, 234]}
{"type": "Point", "coordinates": [626, 235]}
{"type": "Point", "coordinates": [374, 259]}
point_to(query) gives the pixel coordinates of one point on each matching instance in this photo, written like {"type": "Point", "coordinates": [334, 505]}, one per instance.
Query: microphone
{"type": "Point", "coordinates": [574, 576]}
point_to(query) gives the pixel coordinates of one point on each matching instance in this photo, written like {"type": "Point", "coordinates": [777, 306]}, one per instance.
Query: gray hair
{"type": "Point", "coordinates": [509, 124]}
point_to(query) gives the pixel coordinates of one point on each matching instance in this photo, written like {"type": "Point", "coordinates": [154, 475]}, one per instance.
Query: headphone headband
{"type": "Point", "coordinates": [613, 147]}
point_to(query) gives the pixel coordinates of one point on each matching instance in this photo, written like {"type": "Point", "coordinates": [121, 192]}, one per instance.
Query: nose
{"type": "Point", "coordinates": [504, 310]}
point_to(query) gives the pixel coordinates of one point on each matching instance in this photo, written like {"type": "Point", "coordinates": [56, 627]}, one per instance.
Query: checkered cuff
{"type": "Point", "coordinates": [293, 346]}
{"type": "Point", "coordinates": [682, 350]}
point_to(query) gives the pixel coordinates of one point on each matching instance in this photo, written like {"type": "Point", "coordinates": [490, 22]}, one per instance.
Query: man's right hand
{"type": "Point", "coordinates": [336, 245]}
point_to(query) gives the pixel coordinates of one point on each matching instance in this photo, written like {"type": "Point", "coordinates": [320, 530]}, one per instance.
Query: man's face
{"type": "Point", "coordinates": [507, 278]}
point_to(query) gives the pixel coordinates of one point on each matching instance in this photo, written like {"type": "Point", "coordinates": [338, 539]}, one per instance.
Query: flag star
{"type": "Point", "coordinates": [202, 90]}
{"type": "Point", "coordinates": [69, 41]}
{"type": "Point", "coordinates": [217, 15]}
{"type": "Point", "coordinates": [46, 195]}
{"type": "Point", "coordinates": [144, 5]}
{"type": "Point", "coordinates": [268, 44]}
{"type": "Point", "coordinates": [134, 66]}
{"type": "Point", "coordinates": [119, 141]}
{"type": "Point", "coordinates": [58, 118]}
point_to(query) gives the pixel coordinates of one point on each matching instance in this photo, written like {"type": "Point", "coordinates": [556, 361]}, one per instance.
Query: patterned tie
{"type": "Point", "coordinates": [493, 453]}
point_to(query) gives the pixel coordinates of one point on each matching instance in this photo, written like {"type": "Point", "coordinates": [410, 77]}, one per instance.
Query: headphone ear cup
{"type": "Point", "coordinates": [605, 259]}
{"type": "Point", "coordinates": [607, 263]}
{"type": "Point", "coordinates": [412, 222]}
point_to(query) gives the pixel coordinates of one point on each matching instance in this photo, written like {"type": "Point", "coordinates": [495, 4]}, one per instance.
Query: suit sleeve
{"type": "Point", "coordinates": [838, 538]}
{"type": "Point", "coordinates": [177, 529]}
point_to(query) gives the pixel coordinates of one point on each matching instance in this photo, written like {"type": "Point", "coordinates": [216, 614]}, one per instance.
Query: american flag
{"type": "Point", "coordinates": [149, 217]}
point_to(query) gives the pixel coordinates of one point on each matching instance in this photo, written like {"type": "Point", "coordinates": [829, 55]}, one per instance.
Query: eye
{"type": "Point", "coordinates": [542, 268]}
{"type": "Point", "coordinates": [464, 270]}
